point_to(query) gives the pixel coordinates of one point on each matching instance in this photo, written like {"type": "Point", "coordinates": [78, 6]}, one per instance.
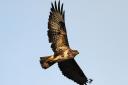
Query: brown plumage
{"type": "Point", "coordinates": [63, 54]}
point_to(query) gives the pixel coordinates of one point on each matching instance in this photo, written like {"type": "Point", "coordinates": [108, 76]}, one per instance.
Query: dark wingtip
{"type": "Point", "coordinates": [63, 15]}
{"type": "Point", "coordinates": [52, 8]}
{"type": "Point", "coordinates": [61, 11]}
{"type": "Point", "coordinates": [57, 7]}
{"type": "Point", "coordinates": [90, 81]}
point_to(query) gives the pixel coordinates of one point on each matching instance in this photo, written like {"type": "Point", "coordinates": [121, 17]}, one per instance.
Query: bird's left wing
{"type": "Point", "coordinates": [56, 27]}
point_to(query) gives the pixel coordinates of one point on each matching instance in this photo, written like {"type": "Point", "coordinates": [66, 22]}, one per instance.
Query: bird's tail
{"type": "Point", "coordinates": [46, 62]}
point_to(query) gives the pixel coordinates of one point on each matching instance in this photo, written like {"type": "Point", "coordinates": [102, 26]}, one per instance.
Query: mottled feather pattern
{"type": "Point", "coordinates": [57, 35]}
{"type": "Point", "coordinates": [57, 31]}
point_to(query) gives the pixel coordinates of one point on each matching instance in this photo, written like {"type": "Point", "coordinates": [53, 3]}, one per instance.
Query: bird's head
{"type": "Point", "coordinates": [75, 52]}
{"type": "Point", "coordinates": [72, 53]}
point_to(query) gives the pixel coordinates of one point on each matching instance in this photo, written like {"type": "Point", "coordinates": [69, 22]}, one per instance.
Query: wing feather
{"type": "Point", "coordinates": [58, 38]}
{"type": "Point", "coordinates": [56, 27]}
{"type": "Point", "coordinates": [71, 70]}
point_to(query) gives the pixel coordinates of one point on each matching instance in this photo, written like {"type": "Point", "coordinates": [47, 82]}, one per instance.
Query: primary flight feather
{"type": "Point", "coordinates": [63, 54]}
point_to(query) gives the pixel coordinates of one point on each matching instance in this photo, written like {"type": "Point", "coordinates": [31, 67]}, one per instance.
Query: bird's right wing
{"type": "Point", "coordinates": [71, 70]}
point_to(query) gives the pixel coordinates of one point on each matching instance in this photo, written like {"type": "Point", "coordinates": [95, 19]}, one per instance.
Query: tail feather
{"type": "Point", "coordinates": [45, 63]}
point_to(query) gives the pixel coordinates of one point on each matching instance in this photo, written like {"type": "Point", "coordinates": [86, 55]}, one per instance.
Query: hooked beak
{"type": "Point", "coordinates": [77, 52]}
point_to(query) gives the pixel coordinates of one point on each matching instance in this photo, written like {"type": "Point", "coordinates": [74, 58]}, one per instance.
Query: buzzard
{"type": "Point", "coordinates": [63, 54]}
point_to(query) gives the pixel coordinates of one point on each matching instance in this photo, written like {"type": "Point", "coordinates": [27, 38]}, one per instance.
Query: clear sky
{"type": "Point", "coordinates": [97, 28]}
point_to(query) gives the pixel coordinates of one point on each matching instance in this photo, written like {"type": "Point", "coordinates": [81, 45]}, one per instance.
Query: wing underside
{"type": "Point", "coordinates": [71, 70]}
{"type": "Point", "coordinates": [58, 38]}
{"type": "Point", "coordinates": [56, 27]}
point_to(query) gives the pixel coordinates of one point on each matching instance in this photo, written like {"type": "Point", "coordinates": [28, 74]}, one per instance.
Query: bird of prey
{"type": "Point", "coordinates": [63, 54]}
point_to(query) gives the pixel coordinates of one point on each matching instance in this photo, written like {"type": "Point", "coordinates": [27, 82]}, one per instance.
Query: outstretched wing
{"type": "Point", "coordinates": [58, 37]}
{"type": "Point", "coordinates": [71, 70]}
{"type": "Point", "coordinates": [57, 31]}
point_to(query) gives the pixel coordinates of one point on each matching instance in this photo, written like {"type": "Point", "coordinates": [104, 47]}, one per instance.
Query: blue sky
{"type": "Point", "coordinates": [97, 28]}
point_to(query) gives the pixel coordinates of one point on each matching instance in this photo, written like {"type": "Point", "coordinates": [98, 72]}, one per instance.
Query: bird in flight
{"type": "Point", "coordinates": [63, 54]}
